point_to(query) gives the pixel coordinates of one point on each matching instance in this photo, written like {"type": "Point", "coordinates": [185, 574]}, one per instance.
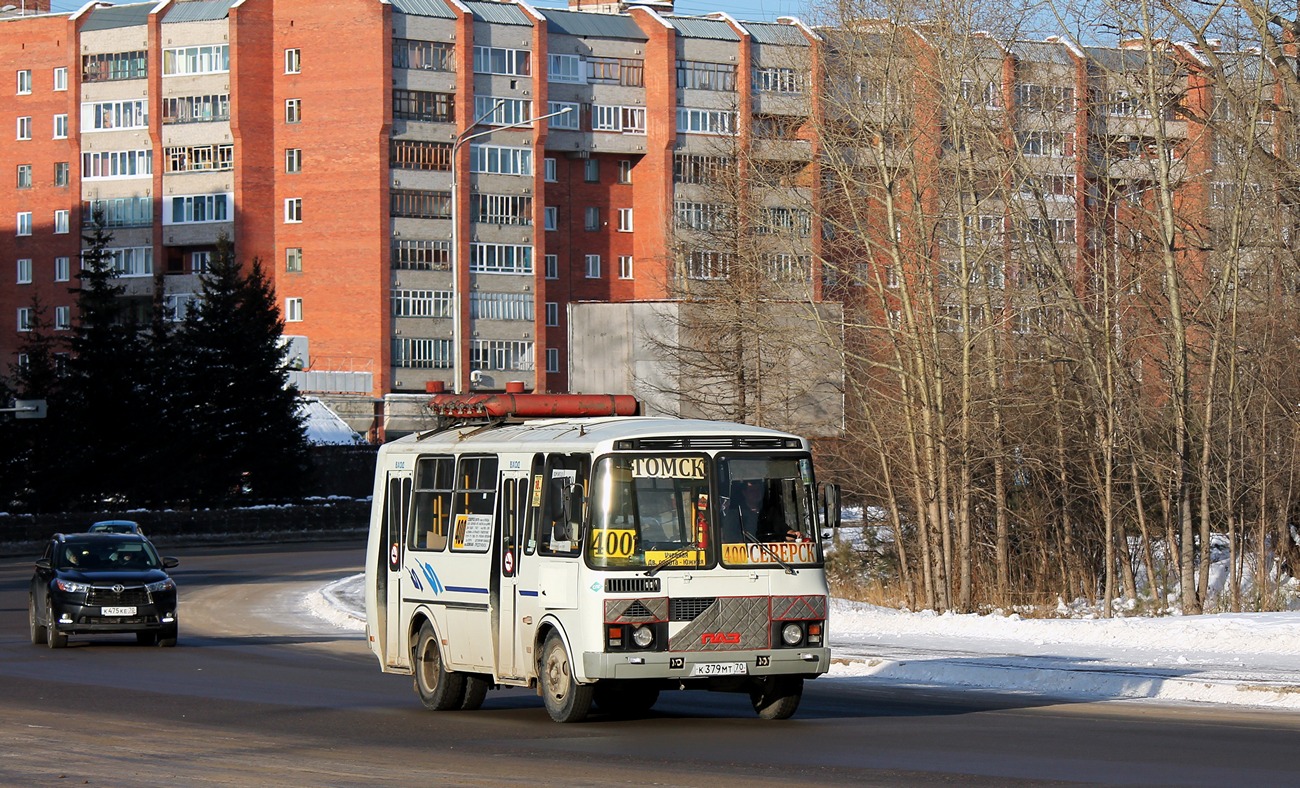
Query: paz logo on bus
{"type": "Point", "coordinates": [720, 638]}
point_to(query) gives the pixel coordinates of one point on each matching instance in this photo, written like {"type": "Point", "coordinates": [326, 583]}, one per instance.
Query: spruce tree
{"type": "Point", "coordinates": [246, 434]}
{"type": "Point", "coordinates": [29, 448]}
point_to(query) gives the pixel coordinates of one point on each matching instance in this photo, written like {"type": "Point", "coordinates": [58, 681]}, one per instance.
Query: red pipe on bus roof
{"type": "Point", "coordinates": [534, 406]}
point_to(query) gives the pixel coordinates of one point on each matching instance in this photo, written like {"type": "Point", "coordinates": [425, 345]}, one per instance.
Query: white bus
{"type": "Point", "coordinates": [597, 559]}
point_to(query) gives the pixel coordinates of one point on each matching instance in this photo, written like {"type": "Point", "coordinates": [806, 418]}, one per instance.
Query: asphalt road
{"type": "Point", "coordinates": [261, 693]}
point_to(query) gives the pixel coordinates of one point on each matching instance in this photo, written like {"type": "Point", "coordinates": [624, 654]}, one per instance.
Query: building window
{"type": "Point", "coordinates": [293, 260]}
{"type": "Point", "coordinates": [424, 55]}
{"type": "Point", "coordinates": [293, 61]}
{"type": "Point", "coordinates": [591, 171]}
{"type": "Point", "coordinates": [25, 127]}
{"type": "Point", "coordinates": [625, 220]}
{"type": "Point", "coordinates": [61, 222]}
{"type": "Point", "coordinates": [25, 318]}
{"type": "Point", "coordinates": [293, 110]}
{"type": "Point", "coordinates": [593, 266]}
{"type": "Point", "coordinates": [420, 255]}
{"type": "Point", "coordinates": [591, 221]}
{"type": "Point", "coordinates": [511, 209]}
{"type": "Point", "coordinates": [565, 68]}
{"type": "Point", "coordinates": [422, 303]}
{"type": "Point", "coordinates": [552, 266]}
{"type": "Point", "coordinates": [199, 158]}
{"type": "Point", "coordinates": [208, 59]}
{"type": "Point", "coordinates": [24, 82]}
{"type": "Point", "coordinates": [293, 310]}
{"type": "Point", "coordinates": [419, 204]}
{"type": "Point", "coordinates": [115, 115]}
{"type": "Point", "coordinates": [624, 171]}
{"type": "Point", "coordinates": [293, 160]}
{"type": "Point", "coordinates": [499, 111]}
{"type": "Point", "coordinates": [419, 155]}
{"type": "Point", "coordinates": [508, 62]}
{"type": "Point", "coordinates": [24, 176]}
{"type": "Point", "coordinates": [500, 306]}
{"type": "Point", "coordinates": [422, 353]}
{"type": "Point", "coordinates": [705, 121]}
{"type": "Point", "coordinates": [552, 313]}
{"type": "Point", "coordinates": [130, 261]}
{"type": "Point", "coordinates": [778, 80]}
{"type": "Point", "coordinates": [114, 66]}
{"type": "Point", "coordinates": [120, 211]}
{"type": "Point", "coordinates": [504, 354]}
{"type": "Point", "coordinates": [569, 120]}
{"type": "Point", "coordinates": [625, 267]}
{"type": "Point", "coordinates": [628, 72]}
{"type": "Point", "coordinates": [500, 259]}
{"type": "Point", "coordinates": [699, 75]}
{"type": "Point", "coordinates": [500, 160]}
{"type": "Point", "coordinates": [424, 105]}
{"type": "Point", "coordinates": [196, 208]}
{"type": "Point", "coordinates": [550, 169]}
{"type": "Point", "coordinates": [552, 359]}
{"type": "Point", "coordinates": [24, 271]}
{"type": "Point", "coordinates": [62, 269]}
{"type": "Point", "coordinates": [25, 223]}
{"type": "Point", "coordinates": [293, 210]}
{"type": "Point", "coordinates": [551, 218]}
{"type": "Point", "coordinates": [196, 109]}
{"type": "Point", "coordinates": [200, 262]}
{"type": "Point", "coordinates": [624, 120]}
{"type": "Point", "coordinates": [62, 318]}
{"type": "Point", "coordinates": [116, 164]}
{"type": "Point", "coordinates": [61, 173]}
{"type": "Point", "coordinates": [61, 78]}
{"type": "Point", "coordinates": [61, 127]}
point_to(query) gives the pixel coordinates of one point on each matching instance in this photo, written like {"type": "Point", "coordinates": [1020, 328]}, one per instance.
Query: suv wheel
{"type": "Point", "coordinates": [37, 630]}
{"type": "Point", "coordinates": [54, 638]}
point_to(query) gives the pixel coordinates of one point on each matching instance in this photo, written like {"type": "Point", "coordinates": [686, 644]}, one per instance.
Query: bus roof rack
{"type": "Point", "coordinates": [466, 409]}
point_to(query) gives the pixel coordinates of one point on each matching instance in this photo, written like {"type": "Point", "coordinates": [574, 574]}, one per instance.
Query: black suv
{"type": "Point", "coordinates": [102, 582]}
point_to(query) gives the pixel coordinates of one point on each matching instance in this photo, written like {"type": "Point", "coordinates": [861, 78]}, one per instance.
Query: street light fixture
{"type": "Point", "coordinates": [458, 354]}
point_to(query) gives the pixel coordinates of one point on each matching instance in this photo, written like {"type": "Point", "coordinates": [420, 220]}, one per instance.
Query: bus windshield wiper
{"type": "Point", "coordinates": [670, 558]}
{"type": "Point", "coordinates": [789, 570]}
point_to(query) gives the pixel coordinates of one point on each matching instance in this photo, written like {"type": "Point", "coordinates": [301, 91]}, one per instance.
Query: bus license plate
{"type": "Point", "coordinates": [118, 611]}
{"type": "Point", "coordinates": [719, 669]}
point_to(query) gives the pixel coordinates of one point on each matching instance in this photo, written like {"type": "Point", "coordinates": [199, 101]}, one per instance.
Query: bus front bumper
{"type": "Point", "coordinates": [689, 665]}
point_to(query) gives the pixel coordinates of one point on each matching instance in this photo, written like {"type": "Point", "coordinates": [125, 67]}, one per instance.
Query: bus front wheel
{"type": "Point", "coordinates": [439, 689]}
{"type": "Point", "coordinates": [776, 697]}
{"type": "Point", "coordinates": [566, 700]}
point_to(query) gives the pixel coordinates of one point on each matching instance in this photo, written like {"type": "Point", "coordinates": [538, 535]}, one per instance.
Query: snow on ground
{"type": "Point", "coordinates": [1248, 659]}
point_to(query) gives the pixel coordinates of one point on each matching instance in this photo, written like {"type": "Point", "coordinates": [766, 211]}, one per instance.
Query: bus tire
{"type": "Point", "coordinates": [625, 698]}
{"type": "Point", "coordinates": [38, 632]}
{"type": "Point", "coordinates": [476, 689]}
{"type": "Point", "coordinates": [439, 689]}
{"type": "Point", "coordinates": [776, 697]}
{"type": "Point", "coordinates": [566, 700]}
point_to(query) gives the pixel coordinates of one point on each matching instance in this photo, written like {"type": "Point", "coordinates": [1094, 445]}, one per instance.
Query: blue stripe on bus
{"type": "Point", "coordinates": [467, 590]}
{"type": "Point", "coordinates": [527, 593]}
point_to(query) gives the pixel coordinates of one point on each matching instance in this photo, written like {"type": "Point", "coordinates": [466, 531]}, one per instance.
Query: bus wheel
{"type": "Point", "coordinates": [476, 688]}
{"type": "Point", "coordinates": [625, 698]}
{"type": "Point", "coordinates": [439, 689]}
{"type": "Point", "coordinates": [776, 697]}
{"type": "Point", "coordinates": [566, 699]}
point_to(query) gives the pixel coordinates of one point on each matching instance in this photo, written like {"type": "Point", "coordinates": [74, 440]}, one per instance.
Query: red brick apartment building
{"type": "Point", "coordinates": [320, 138]}
{"type": "Point", "coordinates": [323, 137]}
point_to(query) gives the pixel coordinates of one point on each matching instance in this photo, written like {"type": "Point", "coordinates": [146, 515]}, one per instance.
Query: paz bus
{"type": "Point", "coordinates": [566, 544]}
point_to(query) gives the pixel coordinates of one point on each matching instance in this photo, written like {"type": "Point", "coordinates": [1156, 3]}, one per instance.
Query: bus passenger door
{"type": "Point", "coordinates": [511, 520]}
{"type": "Point", "coordinates": [398, 510]}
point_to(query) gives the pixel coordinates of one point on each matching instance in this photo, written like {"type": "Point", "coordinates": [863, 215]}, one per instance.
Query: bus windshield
{"type": "Point", "coordinates": [650, 511]}
{"type": "Point", "coordinates": [767, 511]}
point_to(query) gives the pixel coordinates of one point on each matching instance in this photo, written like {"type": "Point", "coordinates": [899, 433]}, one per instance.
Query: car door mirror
{"type": "Point", "coordinates": [44, 564]}
{"type": "Point", "coordinates": [169, 562]}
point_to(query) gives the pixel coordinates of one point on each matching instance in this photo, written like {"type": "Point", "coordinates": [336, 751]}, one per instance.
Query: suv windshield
{"type": "Point", "coordinates": [107, 556]}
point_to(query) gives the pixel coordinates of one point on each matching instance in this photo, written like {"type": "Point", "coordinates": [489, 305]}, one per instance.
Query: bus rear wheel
{"type": "Point", "coordinates": [476, 689]}
{"type": "Point", "coordinates": [566, 700]}
{"type": "Point", "coordinates": [439, 689]}
{"type": "Point", "coordinates": [776, 697]}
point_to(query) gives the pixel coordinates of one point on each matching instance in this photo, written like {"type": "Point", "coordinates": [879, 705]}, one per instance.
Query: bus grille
{"type": "Point", "coordinates": [726, 624]}
{"type": "Point", "coordinates": [632, 585]}
{"type": "Point", "coordinates": [688, 608]}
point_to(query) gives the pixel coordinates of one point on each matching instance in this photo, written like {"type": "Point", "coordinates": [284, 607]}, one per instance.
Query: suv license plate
{"type": "Point", "coordinates": [719, 669]}
{"type": "Point", "coordinates": [118, 611]}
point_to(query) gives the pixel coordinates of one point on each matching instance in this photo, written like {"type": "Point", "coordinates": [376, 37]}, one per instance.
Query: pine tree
{"type": "Point", "coordinates": [29, 475]}
{"type": "Point", "coordinates": [242, 416]}
{"type": "Point", "coordinates": [108, 418]}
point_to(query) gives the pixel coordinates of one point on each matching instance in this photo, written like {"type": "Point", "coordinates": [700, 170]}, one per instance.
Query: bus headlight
{"type": "Point", "coordinates": [792, 634]}
{"type": "Point", "coordinates": [643, 637]}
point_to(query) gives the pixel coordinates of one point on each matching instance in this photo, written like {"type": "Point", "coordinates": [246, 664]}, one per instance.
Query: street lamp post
{"type": "Point", "coordinates": [459, 382]}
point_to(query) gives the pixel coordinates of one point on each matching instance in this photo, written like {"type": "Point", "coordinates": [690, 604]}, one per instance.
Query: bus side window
{"type": "Point", "coordinates": [475, 501]}
{"type": "Point", "coordinates": [557, 536]}
{"type": "Point", "coordinates": [535, 494]}
{"type": "Point", "coordinates": [434, 482]}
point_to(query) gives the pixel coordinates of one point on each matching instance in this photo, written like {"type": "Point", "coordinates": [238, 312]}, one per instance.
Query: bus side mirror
{"type": "Point", "coordinates": [831, 505]}
{"type": "Point", "coordinates": [572, 502]}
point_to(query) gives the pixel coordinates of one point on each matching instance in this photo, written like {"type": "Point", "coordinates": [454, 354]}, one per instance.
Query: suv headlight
{"type": "Point", "coordinates": [71, 587]}
{"type": "Point", "coordinates": [161, 585]}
